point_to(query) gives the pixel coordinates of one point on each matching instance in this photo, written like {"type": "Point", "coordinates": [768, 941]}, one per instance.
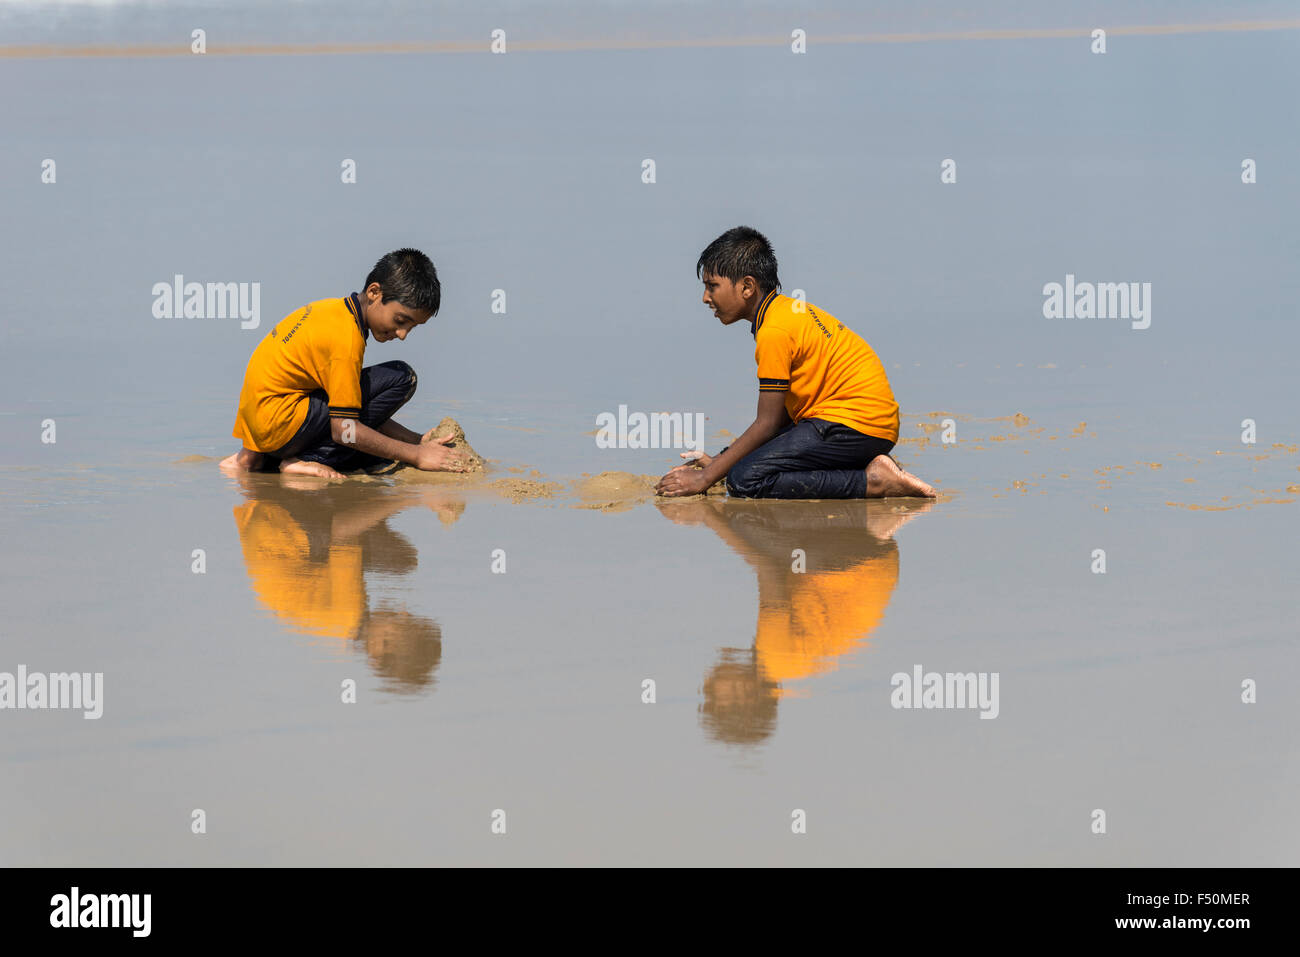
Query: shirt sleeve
{"type": "Point", "coordinates": [773, 351]}
{"type": "Point", "coordinates": [343, 383]}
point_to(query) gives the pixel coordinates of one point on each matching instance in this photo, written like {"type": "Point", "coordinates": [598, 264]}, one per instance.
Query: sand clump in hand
{"type": "Point", "coordinates": [475, 465]}
{"type": "Point", "coordinates": [449, 426]}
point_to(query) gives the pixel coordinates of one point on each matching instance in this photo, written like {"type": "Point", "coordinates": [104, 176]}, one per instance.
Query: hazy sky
{"type": "Point", "coordinates": [523, 173]}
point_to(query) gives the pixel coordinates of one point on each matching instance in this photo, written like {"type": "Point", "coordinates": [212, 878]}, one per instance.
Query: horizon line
{"type": "Point", "coordinates": [132, 51]}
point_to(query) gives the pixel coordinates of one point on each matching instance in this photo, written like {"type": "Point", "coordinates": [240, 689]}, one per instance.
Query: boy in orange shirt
{"type": "Point", "coordinates": [826, 420]}
{"type": "Point", "coordinates": [309, 407]}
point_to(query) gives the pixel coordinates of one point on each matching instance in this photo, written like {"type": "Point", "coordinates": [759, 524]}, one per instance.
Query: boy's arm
{"type": "Point", "coordinates": [395, 430]}
{"type": "Point", "coordinates": [769, 419]}
{"type": "Point", "coordinates": [338, 370]}
{"type": "Point", "coordinates": [430, 456]}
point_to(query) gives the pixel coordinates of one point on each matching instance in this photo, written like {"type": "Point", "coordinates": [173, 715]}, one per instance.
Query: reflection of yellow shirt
{"type": "Point", "coordinates": [320, 598]}
{"type": "Point", "coordinates": [319, 346]}
{"type": "Point", "coordinates": [826, 370]}
{"type": "Point", "coordinates": [827, 615]}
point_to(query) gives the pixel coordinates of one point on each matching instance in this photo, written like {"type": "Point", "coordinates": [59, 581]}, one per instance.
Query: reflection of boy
{"type": "Point", "coordinates": [307, 552]}
{"type": "Point", "coordinates": [807, 619]}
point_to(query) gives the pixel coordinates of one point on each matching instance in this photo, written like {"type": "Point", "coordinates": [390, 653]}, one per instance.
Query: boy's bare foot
{"type": "Point", "coordinates": [301, 467]}
{"type": "Point", "coordinates": [885, 480]}
{"type": "Point", "coordinates": [245, 460]}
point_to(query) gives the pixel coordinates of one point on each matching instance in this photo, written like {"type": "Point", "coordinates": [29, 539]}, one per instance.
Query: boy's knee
{"type": "Point", "coordinates": [412, 380]}
{"type": "Point", "coordinates": [404, 377]}
{"type": "Point", "coordinates": [743, 481]}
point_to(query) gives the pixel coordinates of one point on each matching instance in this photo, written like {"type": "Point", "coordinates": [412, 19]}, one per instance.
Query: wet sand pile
{"type": "Point", "coordinates": [613, 491]}
{"type": "Point", "coordinates": [476, 465]}
{"type": "Point", "coordinates": [520, 490]}
{"type": "Point", "coordinates": [449, 426]}
{"type": "Point", "coordinates": [616, 491]}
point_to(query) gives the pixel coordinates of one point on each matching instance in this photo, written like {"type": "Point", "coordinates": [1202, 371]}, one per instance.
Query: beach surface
{"type": "Point", "coordinates": [365, 672]}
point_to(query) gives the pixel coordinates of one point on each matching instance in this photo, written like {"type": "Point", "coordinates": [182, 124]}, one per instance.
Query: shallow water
{"type": "Point", "coordinates": [499, 648]}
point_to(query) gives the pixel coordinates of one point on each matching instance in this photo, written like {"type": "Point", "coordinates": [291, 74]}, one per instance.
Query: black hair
{"type": "Point", "coordinates": [738, 253]}
{"type": "Point", "coordinates": [408, 276]}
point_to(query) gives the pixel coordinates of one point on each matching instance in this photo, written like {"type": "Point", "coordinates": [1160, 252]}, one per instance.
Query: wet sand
{"type": "Point", "coordinates": [518, 615]}
{"type": "Point", "coordinates": [616, 490]}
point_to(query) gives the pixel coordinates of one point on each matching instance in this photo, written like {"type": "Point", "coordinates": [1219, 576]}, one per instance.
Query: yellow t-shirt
{"type": "Point", "coordinates": [826, 615]}
{"type": "Point", "coordinates": [826, 370]}
{"type": "Point", "coordinates": [326, 598]}
{"type": "Point", "coordinates": [319, 346]}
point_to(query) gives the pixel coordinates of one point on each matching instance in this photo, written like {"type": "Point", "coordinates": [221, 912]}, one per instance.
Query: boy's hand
{"type": "Point", "coordinates": [701, 459]}
{"type": "Point", "coordinates": [683, 480]}
{"type": "Point", "coordinates": [434, 456]}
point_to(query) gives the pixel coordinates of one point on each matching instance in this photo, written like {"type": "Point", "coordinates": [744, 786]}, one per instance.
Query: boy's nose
{"type": "Point", "coordinates": [401, 334]}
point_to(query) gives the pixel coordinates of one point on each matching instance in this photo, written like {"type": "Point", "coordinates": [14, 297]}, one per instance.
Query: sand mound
{"type": "Point", "coordinates": [522, 490]}
{"type": "Point", "coordinates": [410, 475]}
{"type": "Point", "coordinates": [614, 491]}
{"type": "Point", "coordinates": [477, 465]}
{"type": "Point", "coordinates": [450, 426]}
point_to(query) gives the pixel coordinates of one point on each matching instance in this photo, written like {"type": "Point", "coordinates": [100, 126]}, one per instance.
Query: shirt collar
{"type": "Point", "coordinates": [354, 306]}
{"type": "Point", "coordinates": [761, 313]}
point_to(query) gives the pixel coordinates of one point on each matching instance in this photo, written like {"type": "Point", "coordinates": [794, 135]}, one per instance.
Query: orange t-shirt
{"type": "Point", "coordinates": [319, 346]}
{"type": "Point", "coordinates": [826, 370]}
{"type": "Point", "coordinates": [326, 598]}
{"type": "Point", "coordinates": [826, 615]}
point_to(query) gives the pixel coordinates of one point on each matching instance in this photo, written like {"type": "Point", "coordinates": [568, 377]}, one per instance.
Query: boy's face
{"type": "Point", "coordinates": [390, 320]}
{"type": "Point", "coordinates": [730, 301]}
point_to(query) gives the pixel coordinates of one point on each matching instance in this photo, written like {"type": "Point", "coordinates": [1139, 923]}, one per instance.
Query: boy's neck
{"type": "Point", "coordinates": [752, 312]}
{"type": "Point", "coordinates": [362, 304]}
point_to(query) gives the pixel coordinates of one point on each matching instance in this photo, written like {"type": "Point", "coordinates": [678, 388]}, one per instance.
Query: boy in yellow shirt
{"type": "Point", "coordinates": [826, 419]}
{"type": "Point", "coordinates": [309, 407]}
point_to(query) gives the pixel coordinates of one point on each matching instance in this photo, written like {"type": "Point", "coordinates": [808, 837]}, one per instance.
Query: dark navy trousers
{"type": "Point", "coordinates": [385, 388]}
{"type": "Point", "coordinates": [811, 459]}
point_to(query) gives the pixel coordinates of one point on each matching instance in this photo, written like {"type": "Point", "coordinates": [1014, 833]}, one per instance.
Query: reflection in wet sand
{"type": "Point", "coordinates": [826, 571]}
{"type": "Point", "coordinates": [308, 546]}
